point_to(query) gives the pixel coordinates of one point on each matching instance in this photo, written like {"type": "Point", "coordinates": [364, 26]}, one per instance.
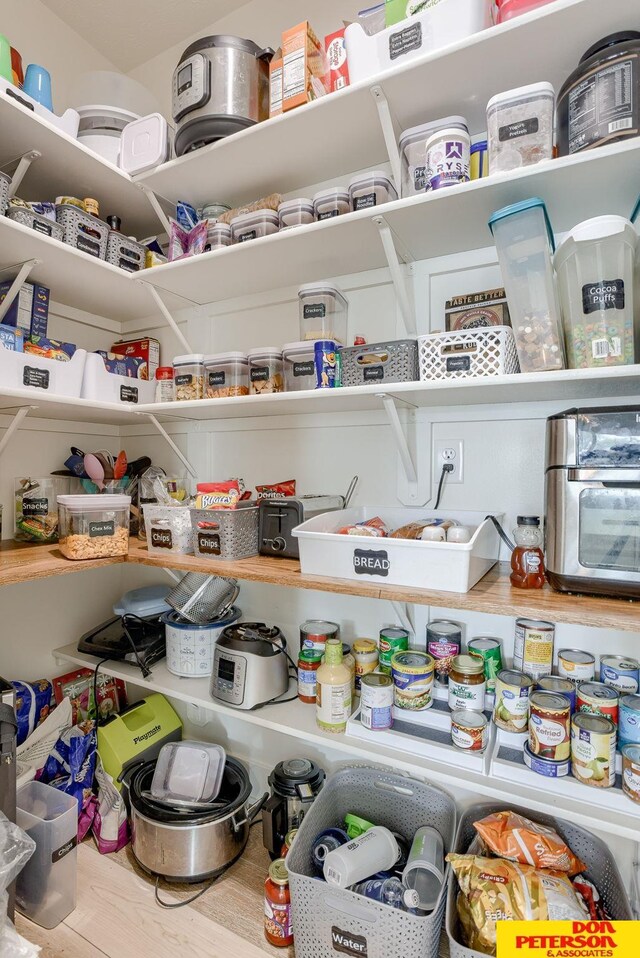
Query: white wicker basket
{"type": "Point", "coordinates": [468, 352]}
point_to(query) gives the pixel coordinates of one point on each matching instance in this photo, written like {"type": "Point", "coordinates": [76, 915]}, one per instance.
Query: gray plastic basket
{"type": "Point", "coordinates": [41, 224]}
{"type": "Point", "coordinates": [228, 534]}
{"type": "Point", "coordinates": [397, 363]}
{"type": "Point", "coordinates": [82, 230]}
{"type": "Point", "coordinates": [601, 867]}
{"type": "Point", "coordinates": [5, 184]}
{"type": "Point", "coordinates": [321, 912]}
{"type": "Point", "coordinates": [125, 253]}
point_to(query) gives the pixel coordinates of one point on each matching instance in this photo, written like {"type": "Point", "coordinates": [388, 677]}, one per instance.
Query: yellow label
{"type": "Point", "coordinates": [568, 939]}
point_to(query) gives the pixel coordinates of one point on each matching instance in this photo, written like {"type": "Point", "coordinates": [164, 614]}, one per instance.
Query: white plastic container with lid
{"type": "Point", "coordinates": [323, 313]}
{"type": "Point", "coordinates": [412, 146]}
{"type": "Point", "coordinates": [254, 225]}
{"type": "Point", "coordinates": [144, 144]}
{"type": "Point", "coordinates": [297, 212]}
{"type": "Point", "coordinates": [520, 127]}
{"type": "Point", "coordinates": [595, 268]}
{"type": "Point", "coordinates": [371, 189]}
{"type": "Point", "coordinates": [218, 235]}
{"type": "Point", "coordinates": [189, 376]}
{"type": "Point", "coordinates": [332, 202]}
{"type": "Point", "coordinates": [93, 527]}
{"type": "Point", "coordinates": [188, 773]}
{"type": "Point", "coordinates": [265, 370]}
{"type": "Point", "coordinates": [299, 366]}
{"type": "Point", "coordinates": [226, 375]}
{"type": "Point", "coordinates": [447, 158]}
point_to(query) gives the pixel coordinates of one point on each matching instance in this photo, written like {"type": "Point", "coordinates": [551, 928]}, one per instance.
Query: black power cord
{"type": "Point", "coordinates": [447, 467]}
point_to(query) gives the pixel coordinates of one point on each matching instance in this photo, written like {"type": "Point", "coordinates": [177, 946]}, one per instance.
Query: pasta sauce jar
{"type": "Point", "coordinates": [467, 684]}
{"type": "Point", "coordinates": [277, 906]}
{"type": "Point", "coordinates": [308, 664]}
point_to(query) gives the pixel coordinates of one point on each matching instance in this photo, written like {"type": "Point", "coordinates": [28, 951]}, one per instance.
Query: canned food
{"type": "Point", "coordinates": [593, 749]}
{"type": "Point", "coordinates": [469, 730]}
{"type": "Point", "coordinates": [511, 709]}
{"type": "Point", "coordinates": [489, 649]}
{"type": "Point", "coordinates": [549, 725]}
{"type": "Point", "coordinates": [576, 665]}
{"type": "Point", "coordinates": [412, 680]}
{"type": "Point", "coordinates": [551, 683]}
{"type": "Point", "coordinates": [392, 640]}
{"type": "Point", "coordinates": [542, 765]}
{"type": "Point", "coordinates": [599, 699]}
{"type": "Point", "coordinates": [631, 772]}
{"type": "Point", "coordinates": [533, 651]}
{"type": "Point", "coordinates": [315, 632]}
{"type": "Point", "coordinates": [444, 640]}
{"type": "Point", "coordinates": [376, 701]}
{"type": "Point", "coordinates": [629, 720]}
{"type": "Point", "coordinates": [365, 652]}
{"type": "Point", "coordinates": [620, 673]}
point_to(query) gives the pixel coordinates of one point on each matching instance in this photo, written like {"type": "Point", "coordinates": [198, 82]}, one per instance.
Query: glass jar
{"type": "Point", "coordinates": [365, 653]}
{"type": "Point", "coordinates": [165, 384]}
{"type": "Point", "coordinates": [467, 684]}
{"type": "Point", "coordinates": [36, 508]}
{"type": "Point", "coordinates": [527, 559]}
{"type": "Point", "coordinates": [226, 375]}
{"type": "Point", "coordinates": [265, 371]}
{"type": "Point", "coordinates": [308, 664]}
{"type": "Point", "coordinates": [277, 906]}
{"type": "Point", "coordinates": [189, 377]}
{"type": "Point", "coordinates": [94, 527]}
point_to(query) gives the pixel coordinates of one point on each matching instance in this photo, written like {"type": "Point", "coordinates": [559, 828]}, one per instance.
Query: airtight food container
{"type": "Point", "coordinates": [520, 127]}
{"type": "Point", "coordinates": [323, 313]}
{"type": "Point", "coordinates": [594, 265]}
{"type": "Point", "coordinates": [412, 146]}
{"type": "Point", "coordinates": [249, 226]}
{"type": "Point", "coordinates": [265, 371]}
{"type": "Point", "coordinates": [188, 772]}
{"type": "Point", "coordinates": [93, 527]}
{"type": "Point", "coordinates": [295, 213]}
{"type": "Point", "coordinates": [299, 366]}
{"type": "Point", "coordinates": [188, 376]}
{"type": "Point", "coordinates": [332, 202]}
{"type": "Point", "coordinates": [218, 236]}
{"type": "Point", "coordinates": [371, 189]}
{"type": "Point", "coordinates": [226, 375]}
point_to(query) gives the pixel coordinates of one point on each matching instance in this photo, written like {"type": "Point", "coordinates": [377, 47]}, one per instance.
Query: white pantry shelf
{"type": "Point", "coordinates": [65, 409]}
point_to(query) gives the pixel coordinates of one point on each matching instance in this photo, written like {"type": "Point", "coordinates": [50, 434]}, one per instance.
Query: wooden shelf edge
{"type": "Point", "coordinates": [25, 561]}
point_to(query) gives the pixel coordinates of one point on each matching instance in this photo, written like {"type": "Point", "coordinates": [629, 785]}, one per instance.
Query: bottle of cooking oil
{"type": "Point", "coordinates": [333, 693]}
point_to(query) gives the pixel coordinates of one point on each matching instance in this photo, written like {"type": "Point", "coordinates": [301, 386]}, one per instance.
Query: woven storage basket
{"type": "Point", "coordinates": [83, 231]}
{"type": "Point", "coordinates": [468, 352]}
{"type": "Point", "coordinates": [229, 533]}
{"type": "Point", "coordinates": [322, 913]}
{"type": "Point", "coordinates": [5, 184]}
{"type": "Point", "coordinates": [601, 867]}
{"type": "Point", "coordinates": [125, 253]}
{"type": "Point", "coordinates": [391, 362]}
{"type": "Point", "coordinates": [36, 222]}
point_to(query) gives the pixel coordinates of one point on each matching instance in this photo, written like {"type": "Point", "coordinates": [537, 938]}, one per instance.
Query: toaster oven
{"type": "Point", "coordinates": [592, 501]}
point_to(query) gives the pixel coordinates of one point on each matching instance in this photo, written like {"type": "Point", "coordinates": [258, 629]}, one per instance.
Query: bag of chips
{"type": "Point", "coordinates": [277, 490]}
{"type": "Point", "coordinates": [514, 837]}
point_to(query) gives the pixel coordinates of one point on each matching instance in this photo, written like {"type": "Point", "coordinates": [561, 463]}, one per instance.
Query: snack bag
{"type": "Point", "coordinates": [375, 528]}
{"type": "Point", "coordinates": [110, 825]}
{"type": "Point", "coordinates": [277, 490]}
{"type": "Point", "coordinates": [71, 766]}
{"type": "Point", "coordinates": [33, 704]}
{"type": "Point", "coordinates": [218, 495]}
{"type": "Point", "coordinates": [77, 686]}
{"type": "Point", "coordinates": [514, 837]}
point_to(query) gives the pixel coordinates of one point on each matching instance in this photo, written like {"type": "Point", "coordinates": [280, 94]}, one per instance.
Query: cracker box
{"type": "Point", "coordinates": [337, 58]}
{"type": "Point", "coordinates": [477, 310]}
{"type": "Point", "coordinates": [30, 309]}
{"type": "Point", "coordinates": [146, 349]}
{"type": "Point", "coordinates": [305, 70]}
{"type": "Point", "coordinates": [275, 85]}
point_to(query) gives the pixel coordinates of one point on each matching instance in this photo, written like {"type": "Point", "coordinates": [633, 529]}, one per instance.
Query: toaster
{"type": "Point", "coordinates": [278, 518]}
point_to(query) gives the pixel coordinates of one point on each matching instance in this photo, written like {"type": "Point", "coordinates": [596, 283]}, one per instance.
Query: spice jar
{"type": "Point", "coordinates": [308, 664]}
{"type": "Point", "coordinates": [277, 906]}
{"type": "Point", "coordinates": [365, 653]}
{"type": "Point", "coordinates": [467, 683]}
{"type": "Point", "coordinates": [189, 376]}
{"type": "Point", "coordinates": [265, 371]}
{"type": "Point", "coordinates": [165, 384]}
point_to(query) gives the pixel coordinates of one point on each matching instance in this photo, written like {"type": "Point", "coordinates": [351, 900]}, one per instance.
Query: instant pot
{"type": "Point", "coordinates": [250, 666]}
{"type": "Point", "coordinates": [220, 86]}
{"type": "Point", "coordinates": [294, 785]}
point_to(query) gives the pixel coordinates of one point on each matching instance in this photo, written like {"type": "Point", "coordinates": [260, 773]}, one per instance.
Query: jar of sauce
{"type": "Point", "coordinates": [527, 559]}
{"type": "Point", "coordinates": [277, 906]}
{"type": "Point", "coordinates": [467, 684]}
{"type": "Point", "coordinates": [365, 653]}
{"type": "Point", "coordinates": [308, 664]}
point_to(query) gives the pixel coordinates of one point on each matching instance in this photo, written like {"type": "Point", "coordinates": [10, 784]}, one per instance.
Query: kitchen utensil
{"type": "Point", "coordinates": [120, 466]}
{"type": "Point", "coordinates": [94, 470]}
{"type": "Point", "coordinates": [294, 785]}
{"type": "Point", "coordinates": [200, 598]}
{"type": "Point", "coordinates": [250, 667]}
{"type": "Point", "coordinates": [188, 773]}
{"type": "Point", "coordinates": [107, 461]}
{"type": "Point", "coordinates": [6, 69]}
{"type": "Point", "coordinates": [37, 85]}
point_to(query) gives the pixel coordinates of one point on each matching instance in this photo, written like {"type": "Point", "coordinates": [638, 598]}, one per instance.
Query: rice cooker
{"type": "Point", "coordinates": [190, 647]}
{"type": "Point", "coordinates": [220, 86]}
{"type": "Point", "coordinates": [250, 666]}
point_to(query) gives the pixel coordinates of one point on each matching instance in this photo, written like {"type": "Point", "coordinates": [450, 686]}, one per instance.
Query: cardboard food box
{"type": "Point", "coordinates": [30, 309]}
{"type": "Point", "coordinates": [336, 51]}
{"type": "Point", "coordinates": [275, 84]}
{"type": "Point", "coordinates": [146, 349]}
{"type": "Point", "coordinates": [12, 339]}
{"type": "Point", "coordinates": [477, 310]}
{"type": "Point", "coordinates": [305, 71]}
{"type": "Point", "coordinates": [397, 10]}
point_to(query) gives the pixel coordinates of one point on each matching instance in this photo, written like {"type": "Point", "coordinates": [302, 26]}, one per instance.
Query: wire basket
{"type": "Point", "coordinates": [5, 186]}
{"type": "Point", "coordinates": [468, 352]}
{"type": "Point", "coordinates": [601, 867]}
{"type": "Point", "coordinates": [125, 253]}
{"type": "Point", "coordinates": [323, 914]}
{"type": "Point", "coordinates": [226, 533]}
{"type": "Point", "coordinates": [83, 231]}
{"type": "Point", "coordinates": [391, 362]}
{"type": "Point", "coordinates": [36, 222]}
{"type": "Point", "coordinates": [201, 598]}
{"type": "Point", "coordinates": [168, 529]}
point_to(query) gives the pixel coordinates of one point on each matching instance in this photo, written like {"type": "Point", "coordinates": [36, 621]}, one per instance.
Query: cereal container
{"type": "Point", "coordinates": [189, 376]}
{"type": "Point", "coordinates": [323, 313]}
{"type": "Point", "coordinates": [226, 375]}
{"type": "Point", "coordinates": [265, 370]}
{"type": "Point", "coordinates": [520, 127]}
{"type": "Point", "coordinates": [332, 202]}
{"type": "Point", "coordinates": [94, 527]}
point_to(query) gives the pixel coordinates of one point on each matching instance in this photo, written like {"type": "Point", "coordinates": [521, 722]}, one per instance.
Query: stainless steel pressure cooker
{"type": "Point", "coordinates": [220, 86]}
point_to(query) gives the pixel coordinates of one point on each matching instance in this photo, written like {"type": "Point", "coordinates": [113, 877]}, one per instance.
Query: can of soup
{"type": "Point", "coordinates": [392, 640]}
{"type": "Point", "coordinates": [599, 699]}
{"type": "Point", "coordinates": [489, 649]}
{"type": "Point", "coordinates": [444, 641]}
{"type": "Point", "coordinates": [511, 709]}
{"type": "Point", "coordinates": [533, 650]}
{"type": "Point", "coordinates": [631, 772]}
{"type": "Point", "coordinates": [376, 701]}
{"type": "Point", "coordinates": [576, 665]}
{"type": "Point", "coordinates": [315, 632]}
{"type": "Point", "coordinates": [620, 673]}
{"type": "Point", "coordinates": [550, 725]}
{"type": "Point", "coordinates": [551, 683]}
{"type": "Point", "coordinates": [469, 730]}
{"type": "Point", "coordinates": [629, 721]}
{"type": "Point", "coordinates": [593, 749]}
{"type": "Point", "coordinates": [412, 680]}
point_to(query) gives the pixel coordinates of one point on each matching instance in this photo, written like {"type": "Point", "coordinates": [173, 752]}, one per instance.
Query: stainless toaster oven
{"type": "Point", "coordinates": [592, 507]}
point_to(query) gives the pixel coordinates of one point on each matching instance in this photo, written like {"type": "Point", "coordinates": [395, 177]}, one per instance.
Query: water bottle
{"type": "Point", "coordinates": [388, 891]}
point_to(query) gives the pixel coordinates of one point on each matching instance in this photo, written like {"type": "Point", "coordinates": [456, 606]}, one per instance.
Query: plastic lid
{"type": "Point", "coordinates": [255, 216]}
{"type": "Point", "coordinates": [372, 175]}
{"type": "Point", "coordinates": [446, 133]}
{"type": "Point", "coordinates": [143, 144]}
{"type": "Point", "coordinates": [623, 36]}
{"type": "Point", "coordinates": [94, 503]}
{"type": "Point", "coordinates": [145, 602]}
{"type": "Point", "coordinates": [261, 352]}
{"type": "Point", "coordinates": [479, 146]}
{"type": "Point", "coordinates": [534, 203]}
{"type": "Point", "coordinates": [189, 359]}
{"type": "Point", "coordinates": [597, 228]}
{"type": "Point", "coordinates": [339, 192]}
{"type": "Point", "coordinates": [311, 655]}
{"type": "Point", "coordinates": [528, 520]}
{"type": "Point", "coordinates": [278, 872]}
{"type": "Point", "coordinates": [216, 227]}
{"type": "Point", "coordinates": [300, 347]}
{"type": "Point", "coordinates": [188, 772]}
{"type": "Point", "coordinates": [467, 664]}
{"type": "Point", "coordinates": [479, 138]}
{"type": "Point", "coordinates": [301, 202]}
{"type": "Point", "coordinates": [321, 289]}
{"type": "Point", "coordinates": [426, 129]}
{"type": "Point", "coordinates": [544, 88]}
{"type": "Point", "coordinates": [225, 358]}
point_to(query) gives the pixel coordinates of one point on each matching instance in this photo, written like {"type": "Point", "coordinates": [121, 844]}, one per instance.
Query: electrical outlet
{"type": "Point", "coordinates": [450, 452]}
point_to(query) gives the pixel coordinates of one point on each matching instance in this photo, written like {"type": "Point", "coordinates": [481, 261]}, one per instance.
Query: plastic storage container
{"type": "Point", "coordinates": [299, 366]}
{"type": "Point", "coordinates": [323, 313]}
{"type": "Point", "coordinates": [468, 352]}
{"type": "Point", "coordinates": [46, 886]}
{"type": "Point", "coordinates": [28, 371]}
{"type": "Point", "coordinates": [332, 202]}
{"type": "Point", "coordinates": [36, 508]}
{"type": "Point", "coordinates": [94, 527]}
{"type": "Point", "coordinates": [391, 362]}
{"type": "Point", "coordinates": [168, 529]}
{"type": "Point", "coordinates": [145, 144]}
{"type": "Point", "coordinates": [82, 230]}
{"type": "Point", "coordinates": [447, 158]}
{"type": "Point", "coordinates": [412, 147]}
{"type": "Point", "coordinates": [218, 236]}
{"type": "Point", "coordinates": [102, 386]}
{"type": "Point", "coordinates": [189, 376]}
{"type": "Point", "coordinates": [226, 534]}
{"type": "Point", "coordinates": [525, 245]}
{"type": "Point", "coordinates": [371, 189]}
{"type": "Point", "coordinates": [295, 213]}
{"type": "Point", "coordinates": [507, 9]}
{"type": "Point", "coordinates": [125, 252]}
{"type": "Point", "coordinates": [595, 268]}
{"type": "Point", "coordinates": [188, 773]}
{"type": "Point", "coordinates": [191, 647]}
{"type": "Point", "coordinates": [520, 127]}
{"type": "Point", "coordinates": [249, 226]}
{"type": "Point", "coordinates": [266, 371]}
{"type": "Point", "coordinates": [41, 224]}
{"type": "Point", "coordinates": [226, 375]}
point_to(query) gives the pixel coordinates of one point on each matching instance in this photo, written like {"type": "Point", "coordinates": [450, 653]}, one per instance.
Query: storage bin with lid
{"type": "Point", "coordinates": [189, 376]}
{"type": "Point", "coordinates": [188, 773]}
{"type": "Point", "coordinates": [297, 212]}
{"type": "Point", "coordinates": [323, 313]}
{"type": "Point", "coordinates": [191, 647]}
{"type": "Point", "coordinates": [332, 202]}
{"type": "Point", "coordinates": [218, 236]}
{"type": "Point", "coordinates": [36, 507]}
{"type": "Point", "coordinates": [525, 245]}
{"type": "Point", "coordinates": [226, 375]}
{"type": "Point", "coordinates": [93, 527]}
{"type": "Point", "coordinates": [299, 366]}
{"type": "Point", "coordinates": [266, 371]}
{"type": "Point", "coordinates": [254, 225]}
{"type": "Point", "coordinates": [520, 127]}
{"type": "Point", "coordinates": [595, 264]}
{"type": "Point", "coordinates": [390, 362]}
{"type": "Point", "coordinates": [371, 189]}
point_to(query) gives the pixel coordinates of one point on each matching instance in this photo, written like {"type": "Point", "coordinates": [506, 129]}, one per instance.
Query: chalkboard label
{"type": "Point", "coordinates": [365, 202]}
{"type": "Point", "coordinates": [371, 562]}
{"type": "Point", "coordinates": [218, 378]}
{"type": "Point", "coordinates": [41, 227]}
{"type": "Point", "coordinates": [161, 538]}
{"type": "Point", "coordinates": [405, 41]}
{"type": "Point", "coordinates": [35, 507]}
{"type": "Point", "coordinates": [373, 373]}
{"type": "Point", "coordinates": [97, 529]}
{"type": "Point", "coordinates": [58, 853]}
{"type": "Point", "coordinates": [328, 215]}
{"type": "Point", "coordinates": [209, 543]}
{"type": "Point", "coordinates": [304, 369]}
{"type": "Point", "coordinates": [259, 374]}
{"type": "Point", "coordinates": [314, 311]}
{"type": "Point", "coordinates": [129, 394]}
{"type": "Point", "coordinates": [521, 128]}
{"type": "Point", "coordinates": [605, 294]}
{"type": "Point", "coordinates": [38, 378]}
{"type": "Point", "coordinates": [184, 379]}
{"type": "Point", "coordinates": [249, 235]}
{"type": "Point", "coordinates": [458, 364]}
{"type": "Point", "coordinates": [88, 246]}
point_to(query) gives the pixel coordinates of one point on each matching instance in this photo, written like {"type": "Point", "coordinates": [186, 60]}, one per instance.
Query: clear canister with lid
{"type": "Point", "coordinates": [371, 189]}
{"type": "Point", "coordinates": [266, 374]}
{"type": "Point", "coordinates": [298, 212]}
{"type": "Point", "coordinates": [298, 360]}
{"type": "Point", "coordinates": [254, 225]}
{"type": "Point", "coordinates": [218, 236]}
{"type": "Point", "coordinates": [332, 202]}
{"type": "Point", "coordinates": [226, 375]}
{"type": "Point", "coordinates": [188, 376]}
{"type": "Point", "coordinates": [93, 526]}
{"type": "Point", "coordinates": [412, 147]}
{"type": "Point", "coordinates": [520, 127]}
{"type": "Point", "coordinates": [323, 313]}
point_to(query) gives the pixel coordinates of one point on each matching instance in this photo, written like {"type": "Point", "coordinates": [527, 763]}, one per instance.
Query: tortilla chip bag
{"type": "Point", "coordinates": [514, 837]}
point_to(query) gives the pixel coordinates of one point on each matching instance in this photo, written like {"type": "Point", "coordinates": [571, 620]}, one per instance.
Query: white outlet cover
{"type": "Point", "coordinates": [457, 461]}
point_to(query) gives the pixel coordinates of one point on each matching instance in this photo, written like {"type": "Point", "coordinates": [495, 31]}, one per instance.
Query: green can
{"type": "Point", "coordinates": [489, 649]}
{"type": "Point", "coordinates": [392, 640]}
